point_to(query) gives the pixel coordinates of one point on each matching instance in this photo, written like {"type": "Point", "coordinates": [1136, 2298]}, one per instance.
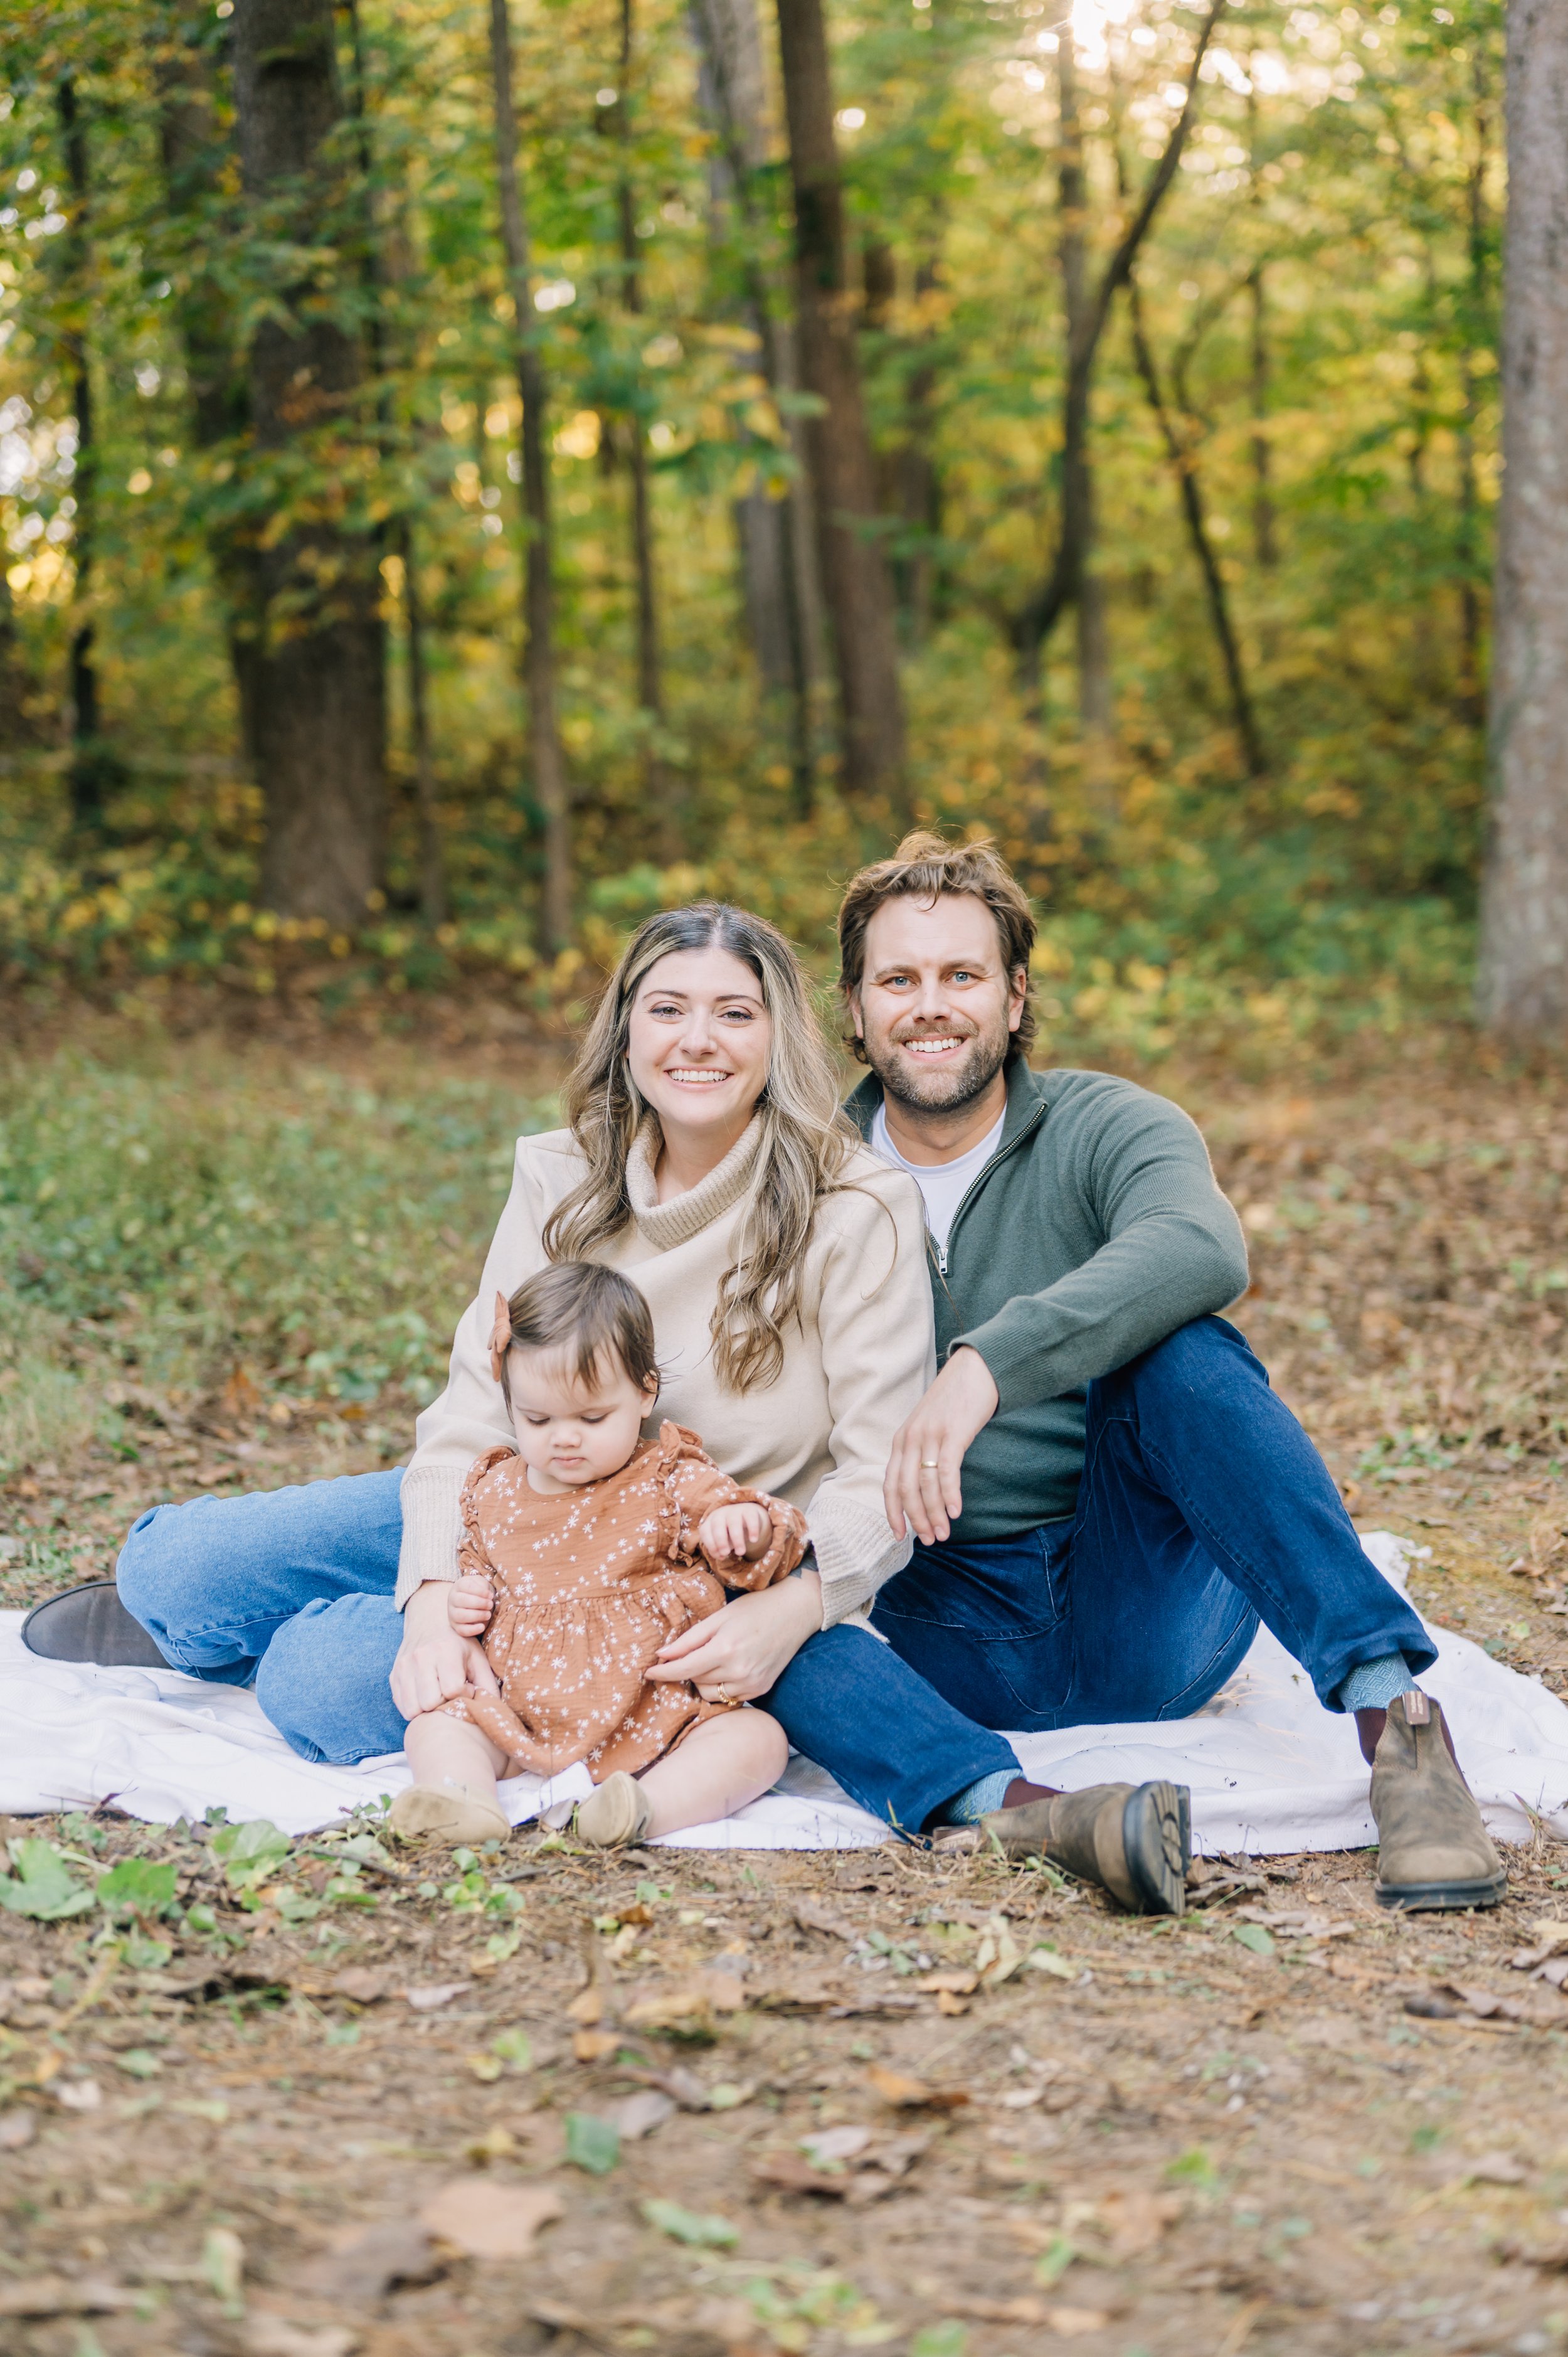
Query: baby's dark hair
{"type": "Point", "coordinates": [587, 1311]}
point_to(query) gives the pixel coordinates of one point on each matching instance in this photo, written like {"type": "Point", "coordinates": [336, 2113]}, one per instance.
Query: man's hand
{"type": "Point", "coordinates": [738, 1653]}
{"type": "Point", "coordinates": [921, 1489]}
{"type": "Point", "coordinates": [433, 1661]}
{"type": "Point", "coordinates": [470, 1602]}
{"type": "Point", "coordinates": [734, 1531]}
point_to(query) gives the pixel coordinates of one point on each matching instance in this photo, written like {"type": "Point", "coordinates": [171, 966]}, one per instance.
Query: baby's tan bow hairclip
{"type": "Point", "coordinates": [501, 1336]}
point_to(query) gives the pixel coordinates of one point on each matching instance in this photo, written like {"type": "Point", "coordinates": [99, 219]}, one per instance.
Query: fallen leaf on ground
{"type": "Point", "coordinates": [705, 1993]}
{"type": "Point", "coordinates": [1069, 2322]}
{"type": "Point", "coordinates": [274, 2336]}
{"type": "Point", "coordinates": [489, 2221]}
{"type": "Point", "coordinates": [787, 2174]}
{"type": "Point", "coordinates": [1136, 2219]}
{"type": "Point", "coordinates": [592, 2143]}
{"type": "Point", "coordinates": [948, 1984]}
{"type": "Point", "coordinates": [363, 1986]}
{"type": "Point", "coordinates": [700, 2232]}
{"type": "Point", "coordinates": [16, 2128]}
{"type": "Point", "coordinates": [361, 2262]}
{"type": "Point", "coordinates": [53, 2296]}
{"type": "Point", "coordinates": [834, 2144]}
{"type": "Point", "coordinates": [427, 2000]}
{"type": "Point", "coordinates": [593, 2045]}
{"type": "Point", "coordinates": [587, 2007]}
{"type": "Point", "coordinates": [999, 2312]}
{"type": "Point", "coordinates": [811, 1916]}
{"type": "Point", "coordinates": [1045, 1960]}
{"type": "Point", "coordinates": [78, 2094]}
{"type": "Point", "coordinates": [1496, 2169]}
{"type": "Point", "coordinates": [905, 2095]}
{"type": "Point", "coordinates": [639, 2115]}
{"type": "Point", "coordinates": [950, 2005]}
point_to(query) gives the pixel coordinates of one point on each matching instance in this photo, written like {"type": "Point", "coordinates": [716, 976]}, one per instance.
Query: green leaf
{"type": "Point", "coordinates": [704, 2234]}
{"type": "Point", "coordinates": [1193, 2167]}
{"type": "Point", "coordinates": [138, 2063]}
{"type": "Point", "coordinates": [1254, 1936]}
{"type": "Point", "coordinates": [138, 1886]}
{"type": "Point", "coordinates": [948, 2339]}
{"type": "Point", "coordinates": [250, 1852]}
{"type": "Point", "coordinates": [145, 1955]}
{"type": "Point", "coordinates": [515, 2046]}
{"type": "Point", "coordinates": [43, 1888]}
{"type": "Point", "coordinates": [592, 2143]}
{"type": "Point", "coordinates": [1055, 2260]}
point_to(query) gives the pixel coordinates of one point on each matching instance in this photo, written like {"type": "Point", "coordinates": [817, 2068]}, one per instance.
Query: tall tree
{"type": "Point", "coordinates": [1472, 703]}
{"type": "Point", "coordinates": [319, 703]}
{"type": "Point", "coordinates": [1524, 937]}
{"type": "Point", "coordinates": [86, 753]}
{"type": "Point", "coordinates": [857, 580]}
{"type": "Point", "coordinates": [1181, 451]}
{"type": "Point", "coordinates": [656, 778]}
{"type": "Point", "coordinates": [547, 763]}
{"type": "Point", "coordinates": [782, 595]}
{"type": "Point", "coordinates": [1094, 701]}
{"type": "Point", "coordinates": [1037, 617]}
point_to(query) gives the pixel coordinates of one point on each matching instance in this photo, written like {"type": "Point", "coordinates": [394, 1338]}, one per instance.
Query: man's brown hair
{"type": "Point", "coordinates": [922, 869]}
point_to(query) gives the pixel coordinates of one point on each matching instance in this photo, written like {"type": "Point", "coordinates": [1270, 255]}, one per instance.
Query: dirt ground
{"type": "Point", "coordinates": [720, 2106]}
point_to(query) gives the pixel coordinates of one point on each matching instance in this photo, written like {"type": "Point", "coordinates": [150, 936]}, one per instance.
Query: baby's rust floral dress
{"type": "Point", "coordinates": [589, 1584]}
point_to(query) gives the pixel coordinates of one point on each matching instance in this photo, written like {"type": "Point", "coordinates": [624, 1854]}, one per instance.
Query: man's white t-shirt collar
{"type": "Point", "coordinates": [943, 1185]}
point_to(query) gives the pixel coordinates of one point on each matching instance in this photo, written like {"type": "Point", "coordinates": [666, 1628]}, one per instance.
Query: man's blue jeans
{"type": "Point", "coordinates": [1203, 1507]}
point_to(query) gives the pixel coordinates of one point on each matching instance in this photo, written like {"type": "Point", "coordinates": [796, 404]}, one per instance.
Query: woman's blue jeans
{"type": "Point", "coordinates": [1204, 1508]}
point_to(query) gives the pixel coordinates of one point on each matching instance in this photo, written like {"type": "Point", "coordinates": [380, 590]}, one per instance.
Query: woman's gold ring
{"type": "Point", "coordinates": [929, 1464]}
{"type": "Point", "coordinates": [726, 1697]}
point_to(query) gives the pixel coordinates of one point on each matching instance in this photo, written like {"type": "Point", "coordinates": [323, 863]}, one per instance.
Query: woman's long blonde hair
{"type": "Point", "coordinates": [805, 1143]}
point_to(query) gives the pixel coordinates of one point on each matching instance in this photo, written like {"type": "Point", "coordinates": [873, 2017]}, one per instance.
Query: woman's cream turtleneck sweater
{"type": "Point", "coordinates": [855, 1362]}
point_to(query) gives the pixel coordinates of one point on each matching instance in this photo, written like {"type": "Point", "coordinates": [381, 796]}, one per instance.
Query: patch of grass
{"type": "Point", "coordinates": [164, 1228]}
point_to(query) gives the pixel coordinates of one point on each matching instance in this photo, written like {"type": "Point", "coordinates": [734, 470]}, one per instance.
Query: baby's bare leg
{"type": "Point", "coordinates": [722, 1765]}
{"type": "Point", "coordinates": [452, 1796]}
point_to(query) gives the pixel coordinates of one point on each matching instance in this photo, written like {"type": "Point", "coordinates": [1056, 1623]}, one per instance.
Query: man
{"type": "Point", "coordinates": [1105, 1495]}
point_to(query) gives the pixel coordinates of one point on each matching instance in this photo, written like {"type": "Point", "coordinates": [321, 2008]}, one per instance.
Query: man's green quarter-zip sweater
{"type": "Point", "coordinates": [1095, 1230]}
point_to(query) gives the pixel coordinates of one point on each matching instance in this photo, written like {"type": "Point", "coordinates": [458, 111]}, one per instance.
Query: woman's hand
{"type": "Point", "coordinates": [433, 1661]}
{"type": "Point", "coordinates": [921, 1488]}
{"type": "Point", "coordinates": [737, 1653]}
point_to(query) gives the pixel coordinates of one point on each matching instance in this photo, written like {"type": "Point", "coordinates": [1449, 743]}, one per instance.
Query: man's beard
{"type": "Point", "coordinates": [941, 1092]}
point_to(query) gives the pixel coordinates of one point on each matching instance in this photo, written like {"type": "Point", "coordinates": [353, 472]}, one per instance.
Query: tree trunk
{"type": "Point", "coordinates": [546, 761]}
{"type": "Point", "coordinates": [1184, 466]}
{"type": "Point", "coordinates": [1265, 547]}
{"type": "Point", "coordinates": [1471, 700]}
{"type": "Point", "coordinates": [196, 154]}
{"type": "Point", "coordinates": [853, 560]}
{"type": "Point", "coordinates": [920, 492]}
{"type": "Point", "coordinates": [1094, 703]}
{"type": "Point", "coordinates": [432, 859]}
{"type": "Point", "coordinates": [783, 594]}
{"type": "Point", "coordinates": [319, 708]}
{"type": "Point", "coordinates": [88, 763]}
{"type": "Point", "coordinates": [1265, 542]}
{"type": "Point", "coordinates": [1524, 938]}
{"type": "Point", "coordinates": [657, 783]}
{"type": "Point", "coordinates": [1035, 621]}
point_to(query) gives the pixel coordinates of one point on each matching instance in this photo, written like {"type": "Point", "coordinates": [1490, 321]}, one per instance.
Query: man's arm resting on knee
{"type": "Point", "coordinates": [433, 1662]}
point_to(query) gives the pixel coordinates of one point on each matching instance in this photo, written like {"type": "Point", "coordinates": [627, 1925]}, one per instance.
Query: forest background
{"type": "Point", "coordinates": [1169, 338]}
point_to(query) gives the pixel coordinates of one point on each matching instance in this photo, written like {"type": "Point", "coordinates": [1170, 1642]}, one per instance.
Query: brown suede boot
{"type": "Point", "coordinates": [1433, 1850]}
{"type": "Point", "coordinates": [1134, 1841]}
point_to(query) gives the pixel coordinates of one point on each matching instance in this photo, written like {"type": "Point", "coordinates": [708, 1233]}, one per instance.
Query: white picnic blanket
{"type": "Point", "coordinates": [1270, 1771]}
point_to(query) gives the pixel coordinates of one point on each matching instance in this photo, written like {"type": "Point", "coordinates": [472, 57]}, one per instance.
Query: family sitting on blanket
{"type": "Point", "coordinates": [968, 1325]}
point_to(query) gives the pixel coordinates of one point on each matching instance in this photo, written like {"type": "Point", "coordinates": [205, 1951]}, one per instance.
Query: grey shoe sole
{"type": "Point", "coordinates": [1156, 1839]}
{"type": "Point", "coordinates": [1410, 1899]}
{"type": "Point", "coordinates": [90, 1624]}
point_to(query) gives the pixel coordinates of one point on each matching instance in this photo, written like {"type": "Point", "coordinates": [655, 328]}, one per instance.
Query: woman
{"type": "Point", "coordinates": [706, 1157]}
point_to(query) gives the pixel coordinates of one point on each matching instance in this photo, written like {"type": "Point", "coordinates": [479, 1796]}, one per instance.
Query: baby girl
{"type": "Point", "coordinates": [583, 1552]}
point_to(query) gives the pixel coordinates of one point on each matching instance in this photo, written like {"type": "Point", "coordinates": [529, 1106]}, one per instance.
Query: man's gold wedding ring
{"type": "Point", "coordinates": [726, 1697]}
{"type": "Point", "coordinates": [929, 1464]}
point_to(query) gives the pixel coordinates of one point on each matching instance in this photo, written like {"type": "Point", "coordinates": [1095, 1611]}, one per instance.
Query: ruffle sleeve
{"type": "Point", "coordinates": [696, 1486]}
{"type": "Point", "coordinates": [472, 1553]}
